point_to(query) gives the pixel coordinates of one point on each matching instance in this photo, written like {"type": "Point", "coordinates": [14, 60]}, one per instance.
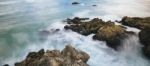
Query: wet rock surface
{"type": "Point", "coordinates": [69, 56]}
{"type": "Point", "coordinates": [75, 3]}
{"type": "Point", "coordinates": [6, 65]}
{"type": "Point", "coordinates": [144, 36]}
{"type": "Point", "coordinates": [144, 25]}
{"type": "Point", "coordinates": [106, 31]}
{"type": "Point", "coordinates": [137, 22]}
{"type": "Point", "coordinates": [94, 5]}
{"type": "Point", "coordinates": [112, 34]}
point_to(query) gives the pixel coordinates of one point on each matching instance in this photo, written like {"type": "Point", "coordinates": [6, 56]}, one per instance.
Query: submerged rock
{"type": "Point", "coordinates": [75, 3]}
{"type": "Point", "coordinates": [106, 31]}
{"type": "Point", "coordinates": [94, 5]}
{"type": "Point", "coordinates": [69, 56]}
{"type": "Point", "coordinates": [6, 65]}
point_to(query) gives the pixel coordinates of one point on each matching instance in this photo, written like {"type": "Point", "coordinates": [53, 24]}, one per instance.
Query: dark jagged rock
{"type": "Point", "coordinates": [36, 54]}
{"type": "Point", "coordinates": [106, 31]}
{"type": "Point", "coordinates": [144, 36]}
{"type": "Point", "coordinates": [137, 22]}
{"type": "Point", "coordinates": [75, 3]}
{"type": "Point", "coordinates": [75, 20]}
{"type": "Point", "coordinates": [69, 56]}
{"type": "Point", "coordinates": [85, 28]}
{"type": "Point", "coordinates": [6, 65]}
{"type": "Point", "coordinates": [94, 5]}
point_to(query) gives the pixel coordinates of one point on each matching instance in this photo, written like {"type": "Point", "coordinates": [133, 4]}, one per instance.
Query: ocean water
{"type": "Point", "coordinates": [22, 20]}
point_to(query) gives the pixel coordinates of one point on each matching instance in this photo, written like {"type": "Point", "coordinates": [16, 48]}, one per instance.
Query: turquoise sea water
{"type": "Point", "coordinates": [21, 21]}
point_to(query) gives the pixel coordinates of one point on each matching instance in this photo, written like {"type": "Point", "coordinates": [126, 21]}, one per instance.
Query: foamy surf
{"type": "Point", "coordinates": [101, 55]}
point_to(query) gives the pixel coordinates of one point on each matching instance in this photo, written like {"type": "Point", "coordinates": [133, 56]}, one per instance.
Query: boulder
{"type": "Point", "coordinates": [69, 56]}
{"type": "Point", "coordinates": [113, 35]}
{"type": "Point", "coordinates": [106, 31]}
{"type": "Point", "coordinates": [144, 36]}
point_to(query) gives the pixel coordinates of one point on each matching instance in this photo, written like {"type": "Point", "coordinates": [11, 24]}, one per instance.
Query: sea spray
{"type": "Point", "coordinates": [100, 54]}
{"type": "Point", "coordinates": [129, 55]}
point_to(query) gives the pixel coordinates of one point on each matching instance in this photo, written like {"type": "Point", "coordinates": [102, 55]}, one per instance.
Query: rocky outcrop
{"type": "Point", "coordinates": [69, 56]}
{"type": "Point", "coordinates": [106, 31]}
{"type": "Point", "coordinates": [144, 36]}
{"type": "Point", "coordinates": [84, 28]}
{"type": "Point", "coordinates": [144, 25]}
{"type": "Point", "coordinates": [112, 34]}
{"type": "Point", "coordinates": [137, 22]}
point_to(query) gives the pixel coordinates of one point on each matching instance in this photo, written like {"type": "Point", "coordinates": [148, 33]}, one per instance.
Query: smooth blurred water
{"type": "Point", "coordinates": [21, 21]}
